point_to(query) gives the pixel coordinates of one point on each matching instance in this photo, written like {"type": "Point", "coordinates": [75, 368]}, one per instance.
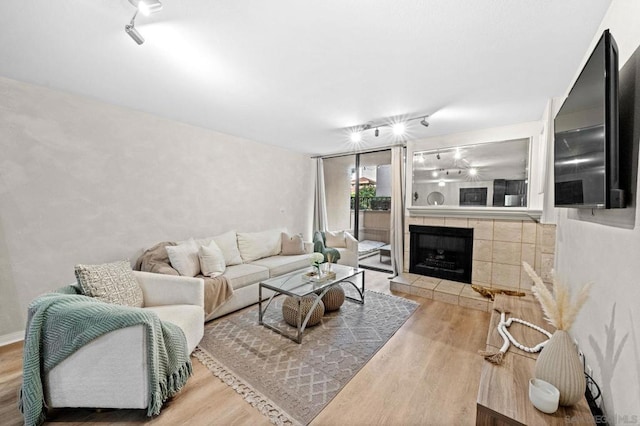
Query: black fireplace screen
{"type": "Point", "coordinates": [441, 252]}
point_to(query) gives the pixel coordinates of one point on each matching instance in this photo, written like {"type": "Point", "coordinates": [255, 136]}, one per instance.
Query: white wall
{"type": "Point", "coordinates": [87, 182]}
{"type": "Point", "coordinates": [608, 327]}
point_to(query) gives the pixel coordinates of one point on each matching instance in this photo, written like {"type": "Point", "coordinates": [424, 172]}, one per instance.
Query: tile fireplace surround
{"type": "Point", "coordinates": [499, 248]}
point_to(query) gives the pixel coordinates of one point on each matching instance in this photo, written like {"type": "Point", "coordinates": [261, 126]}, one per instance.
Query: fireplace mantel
{"type": "Point", "coordinates": [475, 212]}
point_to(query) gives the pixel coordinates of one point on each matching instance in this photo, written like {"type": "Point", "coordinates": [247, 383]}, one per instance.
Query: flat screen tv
{"type": "Point", "coordinates": [586, 135]}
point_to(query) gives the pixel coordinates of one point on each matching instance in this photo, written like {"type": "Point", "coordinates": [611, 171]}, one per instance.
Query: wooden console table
{"type": "Point", "coordinates": [503, 395]}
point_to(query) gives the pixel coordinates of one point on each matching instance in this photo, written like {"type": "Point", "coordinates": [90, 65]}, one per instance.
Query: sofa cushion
{"type": "Point", "coordinates": [184, 258]}
{"type": "Point", "coordinates": [228, 244]}
{"type": "Point", "coordinates": [110, 282]}
{"type": "Point", "coordinates": [190, 318]}
{"type": "Point", "coordinates": [256, 245]}
{"type": "Point", "coordinates": [292, 244]}
{"type": "Point", "coordinates": [211, 260]}
{"type": "Point", "coordinates": [335, 239]}
{"type": "Point", "coordinates": [246, 274]}
{"type": "Point", "coordinates": [279, 265]}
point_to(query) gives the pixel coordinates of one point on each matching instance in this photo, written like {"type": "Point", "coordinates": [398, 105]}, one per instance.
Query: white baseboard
{"type": "Point", "coordinates": [7, 339]}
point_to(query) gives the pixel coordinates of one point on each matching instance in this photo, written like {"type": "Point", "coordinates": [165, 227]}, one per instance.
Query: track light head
{"type": "Point", "coordinates": [133, 33]}
{"type": "Point", "coordinates": [424, 122]}
{"type": "Point", "coordinates": [377, 133]}
{"type": "Point", "coordinates": [146, 7]}
{"type": "Point", "coordinates": [438, 156]}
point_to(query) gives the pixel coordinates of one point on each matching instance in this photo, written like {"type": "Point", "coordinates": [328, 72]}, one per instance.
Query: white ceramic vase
{"type": "Point", "coordinates": [559, 364]}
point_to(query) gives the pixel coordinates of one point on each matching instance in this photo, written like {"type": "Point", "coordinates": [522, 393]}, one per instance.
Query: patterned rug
{"type": "Point", "coordinates": [291, 383]}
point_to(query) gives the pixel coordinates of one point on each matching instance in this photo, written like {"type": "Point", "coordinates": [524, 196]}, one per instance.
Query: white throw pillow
{"type": "Point", "coordinates": [335, 239]}
{"type": "Point", "coordinates": [184, 258]}
{"type": "Point", "coordinates": [211, 260]}
{"type": "Point", "coordinates": [292, 244]}
{"type": "Point", "coordinates": [228, 244]}
{"type": "Point", "coordinates": [256, 245]}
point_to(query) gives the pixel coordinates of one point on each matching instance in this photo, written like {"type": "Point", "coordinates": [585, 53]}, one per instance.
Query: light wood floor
{"type": "Point", "coordinates": [427, 374]}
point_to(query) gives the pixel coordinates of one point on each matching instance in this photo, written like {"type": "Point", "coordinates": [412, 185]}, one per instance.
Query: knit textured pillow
{"type": "Point", "coordinates": [111, 283]}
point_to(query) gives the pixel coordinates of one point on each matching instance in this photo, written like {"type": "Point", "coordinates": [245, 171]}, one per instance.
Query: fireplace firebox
{"type": "Point", "coordinates": [441, 252]}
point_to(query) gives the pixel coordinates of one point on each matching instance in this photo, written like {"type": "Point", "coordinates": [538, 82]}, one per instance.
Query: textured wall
{"type": "Point", "coordinates": [86, 182]}
{"type": "Point", "coordinates": [608, 327]}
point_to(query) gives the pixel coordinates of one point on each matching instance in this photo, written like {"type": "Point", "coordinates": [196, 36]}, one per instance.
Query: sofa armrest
{"type": "Point", "coordinates": [159, 289]}
{"type": "Point", "coordinates": [351, 242]}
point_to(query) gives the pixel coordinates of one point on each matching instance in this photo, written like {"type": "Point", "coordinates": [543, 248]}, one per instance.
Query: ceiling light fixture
{"type": "Point", "coordinates": [399, 127]}
{"type": "Point", "coordinates": [473, 171]}
{"type": "Point", "coordinates": [146, 7]}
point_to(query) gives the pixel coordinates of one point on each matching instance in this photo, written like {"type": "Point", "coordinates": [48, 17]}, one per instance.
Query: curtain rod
{"type": "Point", "coordinates": [367, 151]}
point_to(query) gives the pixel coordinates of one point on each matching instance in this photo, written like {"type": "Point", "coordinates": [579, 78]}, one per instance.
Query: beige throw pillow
{"type": "Point", "coordinates": [111, 283]}
{"type": "Point", "coordinates": [184, 258]}
{"type": "Point", "coordinates": [335, 239]}
{"type": "Point", "coordinates": [211, 260]}
{"type": "Point", "coordinates": [292, 244]}
{"type": "Point", "coordinates": [256, 245]}
{"type": "Point", "coordinates": [228, 244]}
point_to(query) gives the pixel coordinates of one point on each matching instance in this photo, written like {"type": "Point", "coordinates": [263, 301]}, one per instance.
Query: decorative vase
{"type": "Point", "coordinates": [559, 364]}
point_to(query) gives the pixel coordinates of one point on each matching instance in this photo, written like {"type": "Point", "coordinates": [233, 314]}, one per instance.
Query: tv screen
{"type": "Point", "coordinates": [586, 134]}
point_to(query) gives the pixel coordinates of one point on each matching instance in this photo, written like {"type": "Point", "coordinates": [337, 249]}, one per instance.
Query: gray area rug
{"type": "Point", "coordinates": [292, 383]}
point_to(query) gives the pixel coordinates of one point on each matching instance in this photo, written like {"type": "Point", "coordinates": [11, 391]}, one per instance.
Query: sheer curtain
{"type": "Point", "coordinates": [397, 209]}
{"type": "Point", "coordinates": [320, 200]}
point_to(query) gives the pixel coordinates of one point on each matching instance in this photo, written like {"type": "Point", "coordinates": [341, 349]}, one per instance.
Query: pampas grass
{"type": "Point", "coordinates": [560, 309]}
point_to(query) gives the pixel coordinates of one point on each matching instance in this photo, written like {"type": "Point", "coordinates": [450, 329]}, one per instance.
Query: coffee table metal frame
{"type": "Point", "coordinates": [294, 284]}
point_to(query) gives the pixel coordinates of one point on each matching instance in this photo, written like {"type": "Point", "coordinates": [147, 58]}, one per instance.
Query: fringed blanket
{"type": "Point", "coordinates": [216, 290]}
{"type": "Point", "coordinates": [59, 324]}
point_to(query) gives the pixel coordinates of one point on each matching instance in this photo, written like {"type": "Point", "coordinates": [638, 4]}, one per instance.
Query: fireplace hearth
{"type": "Point", "coordinates": [441, 252]}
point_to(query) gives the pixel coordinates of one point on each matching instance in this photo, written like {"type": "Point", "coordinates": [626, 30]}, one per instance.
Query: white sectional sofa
{"type": "Point", "coordinates": [249, 259]}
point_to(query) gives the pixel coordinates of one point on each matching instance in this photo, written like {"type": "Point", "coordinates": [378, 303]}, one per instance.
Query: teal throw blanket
{"type": "Point", "coordinates": [62, 322]}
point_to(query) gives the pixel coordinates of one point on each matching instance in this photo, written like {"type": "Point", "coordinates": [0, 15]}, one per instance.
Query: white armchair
{"type": "Point", "coordinates": [341, 241]}
{"type": "Point", "coordinates": [111, 371]}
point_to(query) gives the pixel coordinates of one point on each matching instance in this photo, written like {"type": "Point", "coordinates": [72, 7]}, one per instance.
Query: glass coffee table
{"type": "Point", "coordinates": [297, 285]}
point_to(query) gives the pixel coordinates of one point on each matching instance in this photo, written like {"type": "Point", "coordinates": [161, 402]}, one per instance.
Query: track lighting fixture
{"type": "Point", "coordinates": [398, 127]}
{"type": "Point", "coordinates": [146, 7]}
{"type": "Point", "coordinates": [438, 156]}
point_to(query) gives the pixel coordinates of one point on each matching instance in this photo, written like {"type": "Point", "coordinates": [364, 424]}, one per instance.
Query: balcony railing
{"type": "Point", "coordinates": [372, 203]}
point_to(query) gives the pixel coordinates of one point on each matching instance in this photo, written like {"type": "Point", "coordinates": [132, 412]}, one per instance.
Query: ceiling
{"type": "Point", "coordinates": [298, 74]}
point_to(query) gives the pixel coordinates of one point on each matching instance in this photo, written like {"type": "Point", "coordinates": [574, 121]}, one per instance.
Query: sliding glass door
{"type": "Point", "coordinates": [358, 196]}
